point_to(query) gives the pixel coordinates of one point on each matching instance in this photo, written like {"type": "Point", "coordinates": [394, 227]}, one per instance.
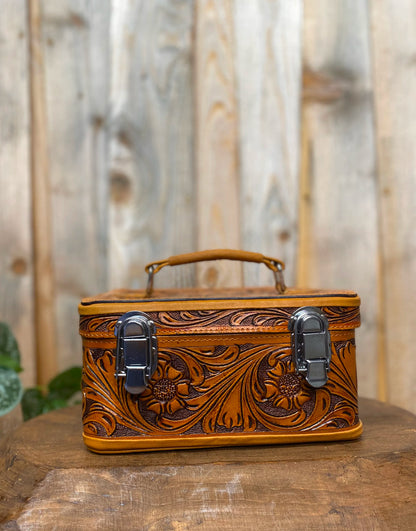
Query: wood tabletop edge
{"type": "Point", "coordinates": [51, 445]}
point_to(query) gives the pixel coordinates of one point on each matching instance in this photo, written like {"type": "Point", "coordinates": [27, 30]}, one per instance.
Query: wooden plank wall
{"type": "Point", "coordinates": [74, 45]}
{"type": "Point", "coordinates": [339, 243]}
{"type": "Point", "coordinates": [394, 44]}
{"type": "Point", "coordinates": [216, 121]}
{"type": "Point", "coordinates": [151, 128]}
{"type": "Point", "coordinates": [268, 65]}
{"type": "Point", "coordinates": [16, 259]}
{"type": "Point", "coordinates": [133, 130]}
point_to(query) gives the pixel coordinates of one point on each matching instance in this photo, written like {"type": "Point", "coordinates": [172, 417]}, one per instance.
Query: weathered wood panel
{"type": "Point", "coordinates": [151, 158]}
{"type": "Point", "coordinates": [16, 264]}
{"type": "Point", "coordinates": [76, 51]}
{"type": "Point", "coordinates": [394, 47]}
{"type": "Point", "coordinates": [339, 231]}
{"type": "Point", "coordinates": [268, 76]}
{"type": "Point", "coordinates": [217, 176]}
{"type": "Point", "coordinates": [44, 307]}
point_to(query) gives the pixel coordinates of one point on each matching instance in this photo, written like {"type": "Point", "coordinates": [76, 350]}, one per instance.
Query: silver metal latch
{"type": "Point", "coordinates": [136, 350]}
{"type": "Point", "coordinates": [311, 345]}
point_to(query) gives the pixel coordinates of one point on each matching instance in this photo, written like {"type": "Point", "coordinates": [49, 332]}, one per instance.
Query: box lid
{"type": "Point", "coordinates": [226, 310]}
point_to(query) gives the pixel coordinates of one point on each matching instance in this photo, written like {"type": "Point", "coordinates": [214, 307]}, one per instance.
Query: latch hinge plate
{"type": "Point", "coordinates": [136, 357]}
{"type": "Point", "coordinates": [311, 345]}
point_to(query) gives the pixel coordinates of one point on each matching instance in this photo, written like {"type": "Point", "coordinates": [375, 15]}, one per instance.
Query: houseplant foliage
{"type": "Point", "coordinates": [11, 390]}
{"type": "Point", "coordinates": [58, 394]}
{"type": "Point", "coordinates": [60, 391]}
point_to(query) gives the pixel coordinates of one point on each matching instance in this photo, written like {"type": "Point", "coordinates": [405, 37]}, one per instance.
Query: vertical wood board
{"type": "Point", "coordinates": [44, 280]}
{"type": "Point", "coordinates": [76, 50]}
{"type": "Point", "coordinates": [268, 76]}
{"type": "Point", "coordinates": [394, 49]}
{"type": "Point", "coordinates": [217, 176]}
{"type": "Point", "coordinates": [151, 152]}
{"type": "Point", "coordinates": [16, 263]}
{"type": "Point", "coordinates": [339, 241]}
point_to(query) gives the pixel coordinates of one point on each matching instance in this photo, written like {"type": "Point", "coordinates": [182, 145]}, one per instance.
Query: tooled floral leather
{"type": "Point", "coordinates": [174, 322]}
{"type": "Point", "coordinates": [219, 389]}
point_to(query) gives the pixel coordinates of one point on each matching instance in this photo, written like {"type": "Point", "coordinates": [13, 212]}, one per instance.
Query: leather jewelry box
{"type": "Point", "coordinates": [188, 368]}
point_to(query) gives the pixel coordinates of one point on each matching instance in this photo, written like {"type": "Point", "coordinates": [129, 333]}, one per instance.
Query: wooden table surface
{"type": "Point", "coordinates": [48, 480]}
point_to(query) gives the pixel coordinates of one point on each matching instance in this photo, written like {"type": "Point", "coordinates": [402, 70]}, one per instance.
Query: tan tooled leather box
{"type": "Point", "coordinates": [191, 368]}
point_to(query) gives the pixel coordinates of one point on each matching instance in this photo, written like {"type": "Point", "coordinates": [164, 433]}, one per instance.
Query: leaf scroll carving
{"type": "Point", "coordinates": [246, 388]}
{"type": "Point", "coordinates": [173, 322]}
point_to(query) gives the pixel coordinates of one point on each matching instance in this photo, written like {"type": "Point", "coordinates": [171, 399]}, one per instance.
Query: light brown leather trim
{"type": "Point", "coordinates": [254, 329]}
{"type": "Point", "coordinates": [213, 254]}
{"type": "Point", "coordinates": [211, 339]}
{"type": "Point", "coordinates": [246, 293]}
{"type": "Point", "coordinates": [142, 444]}
{"type": "Point", "coordinates": [103, 308]}
{"type": "Point", "coordinates": [232, 339]}
{"type": "Point", "coordinates": [221, 331]}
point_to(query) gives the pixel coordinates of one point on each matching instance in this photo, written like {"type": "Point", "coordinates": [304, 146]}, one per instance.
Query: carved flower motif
{"type": "Point", "coordinates": [166, 390]}
{"type": "Point", "coordinates": [285, 388]}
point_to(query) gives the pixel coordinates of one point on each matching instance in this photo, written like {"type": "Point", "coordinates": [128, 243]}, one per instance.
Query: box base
{"type": "Point", "coordinates": [106, 445]}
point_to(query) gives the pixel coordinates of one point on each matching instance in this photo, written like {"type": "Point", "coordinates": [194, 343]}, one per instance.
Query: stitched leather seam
{"type": "Point", "coordinates": [219, 330]}
{"type": "Point", "coordinates": [226, 339]}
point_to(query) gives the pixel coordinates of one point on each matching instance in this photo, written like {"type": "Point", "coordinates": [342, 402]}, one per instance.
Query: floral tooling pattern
{"type": "Point", "coordinates": [219, 389]}
{"type": "Point", "coordinates": [284, 388]}
{"type": "Point", "coordinates": [167, 391]}
{"type": "Point", "coordinates": [188, 321]}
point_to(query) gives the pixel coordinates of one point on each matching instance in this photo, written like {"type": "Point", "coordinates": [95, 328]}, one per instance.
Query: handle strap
{"type": "Point", "coordinates": [277, 266]}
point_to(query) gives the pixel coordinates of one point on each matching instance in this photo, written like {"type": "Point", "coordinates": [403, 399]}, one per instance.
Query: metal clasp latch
{"type": "Point", "coordinates": [311, 345]}
{"type": "Point", "coordinates": [136, 350]}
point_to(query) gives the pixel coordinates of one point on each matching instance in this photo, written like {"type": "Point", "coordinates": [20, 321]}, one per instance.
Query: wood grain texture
{"type": "Point", "coordinates": [151, 151]}
{"type": "Point", "coordinates": [268, 77]}
{"type": "Point", "coordinates": [338, 210]}
{"type": "Point", "coordinates": [16, 261]}
{"type": "Point", "coordinates": [48, 479]}
{"type": "Point", "coordinates": [76, 51]}
{"type": "Point", "coordinates": [216, 147]}
{"type": "Point", "coordinates": [394, 42]}
{"type": "Point", "coordinates": [44, 281]}
{"type": "Point", "coordinates": [11, 421]}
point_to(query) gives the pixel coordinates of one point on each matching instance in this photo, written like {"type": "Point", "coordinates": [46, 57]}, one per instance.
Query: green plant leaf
{"type": "Point", "coordinates": [65, 384]}
{"type": "Point", "coordinates": [9, 363]}
{"type": "Point", "coordinates": [11, 390]}
{"type": "Point", "coordinates": [33, 401]}
{"type": "Point", "coordinates": [54, 403]}
{"type": "Point", "coordinates": [9, 350]}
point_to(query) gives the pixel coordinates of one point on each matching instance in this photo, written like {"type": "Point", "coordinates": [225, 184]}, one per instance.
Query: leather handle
{"type": "Point", "coordinates": [277, 266]}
